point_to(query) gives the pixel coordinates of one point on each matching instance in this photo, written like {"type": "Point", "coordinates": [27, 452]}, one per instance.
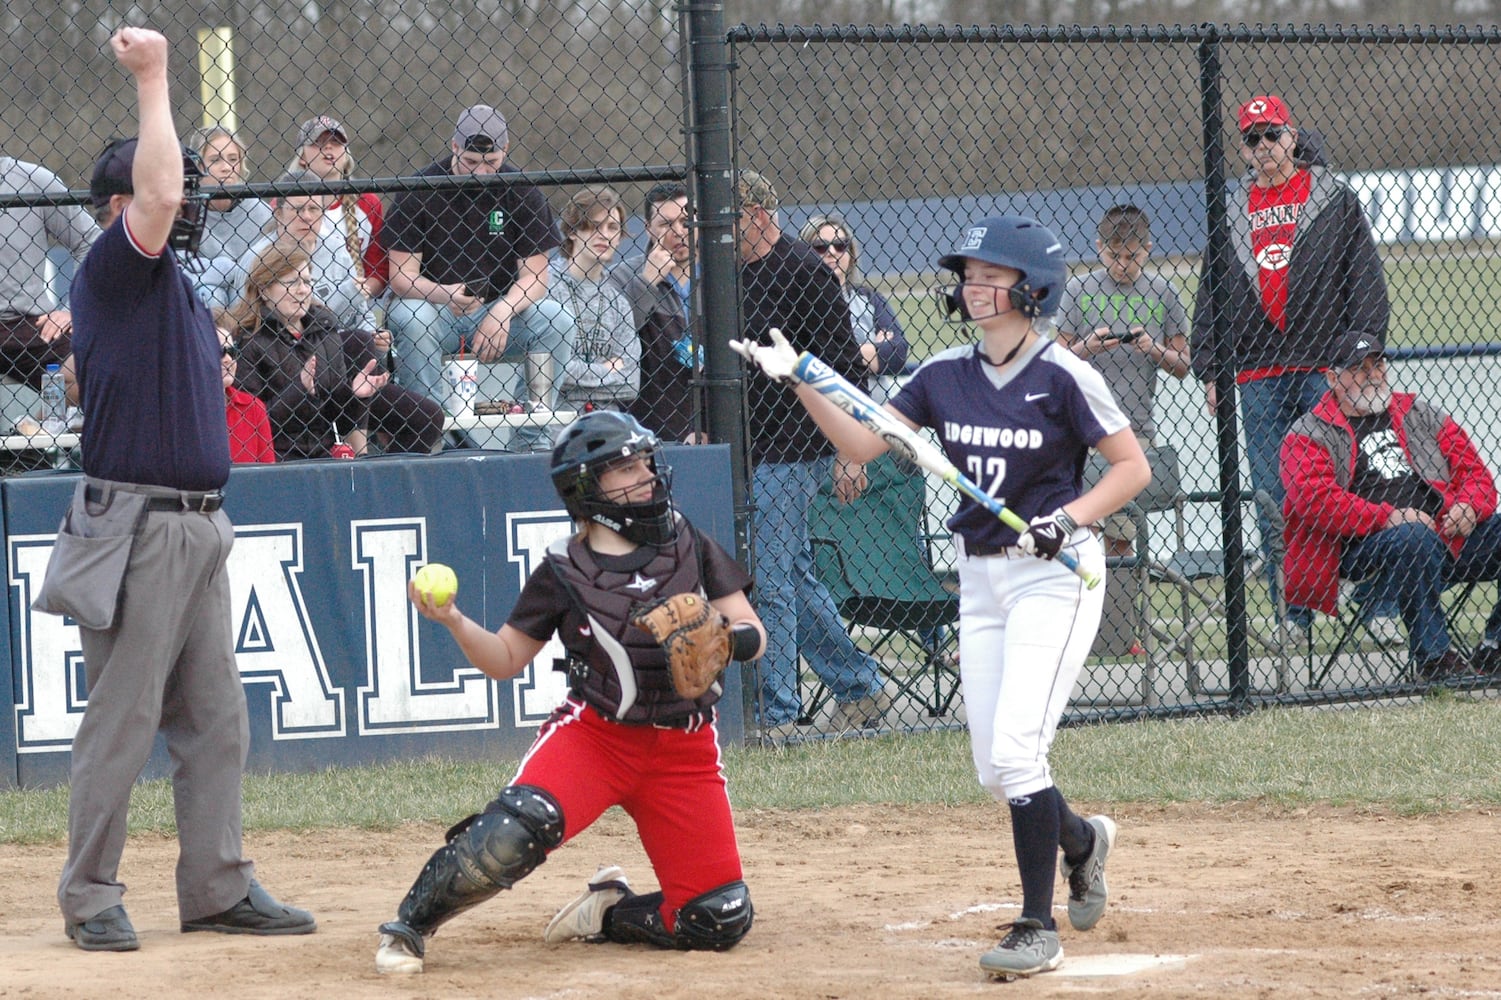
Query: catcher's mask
{"type": "Point", "coordinates": [1009, 241]}
{"type": "Point", "coordinates": [601, 440]}
{"type": "Point", "coordinates": [113, 174]}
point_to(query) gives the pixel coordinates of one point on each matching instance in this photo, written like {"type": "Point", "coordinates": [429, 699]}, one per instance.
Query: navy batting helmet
{"type": "Point", "coordinates": [1021, 243]}
{"type": "Point", "coordinates": [596, 442]}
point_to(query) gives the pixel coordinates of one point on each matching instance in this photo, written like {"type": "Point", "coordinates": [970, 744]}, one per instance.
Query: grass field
{"type": "Point", "coordinates": [1440, 295]}
{"type": "Point", "coordinates": [1436, 755]}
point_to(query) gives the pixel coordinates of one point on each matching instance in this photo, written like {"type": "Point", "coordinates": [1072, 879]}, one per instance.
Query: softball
{"type": "Point", "coordinates": [437, 583]}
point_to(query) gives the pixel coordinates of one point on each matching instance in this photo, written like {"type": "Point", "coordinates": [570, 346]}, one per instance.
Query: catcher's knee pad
{"type": "Point", "coordinates": [484, 854]}
{"type": "Point", "coordinates": [506, 842]}
{"type": "Point", "coordinates": [716, 920]}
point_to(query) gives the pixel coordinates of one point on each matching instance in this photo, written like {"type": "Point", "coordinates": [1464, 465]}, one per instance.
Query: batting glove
{"type": "Point", "coordinates": [777, 359]}
{"type": "Point", "coordinates": [1046, 536]}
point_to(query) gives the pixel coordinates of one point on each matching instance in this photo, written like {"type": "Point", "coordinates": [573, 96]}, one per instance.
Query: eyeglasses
{"type": "Point", "coordinates": [1253, 138]}
{"type": "Point", "coordinates": [294, 281]}
{"type": "Point", "coordinates": [838, 246]}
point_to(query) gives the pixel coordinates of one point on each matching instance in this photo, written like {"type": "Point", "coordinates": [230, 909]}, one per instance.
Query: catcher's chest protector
{"type": "Point", "coordinates": [604, 599]}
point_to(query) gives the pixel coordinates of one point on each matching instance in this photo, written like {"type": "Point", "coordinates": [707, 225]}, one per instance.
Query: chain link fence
{"type": "Point", "coordinates": [885, 143]}
{"type": "Point", "coordinates": [350, 158]}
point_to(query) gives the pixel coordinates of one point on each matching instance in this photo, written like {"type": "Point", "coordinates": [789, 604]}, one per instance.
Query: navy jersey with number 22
{"type": "Point", "coordinates": [1022, 434]}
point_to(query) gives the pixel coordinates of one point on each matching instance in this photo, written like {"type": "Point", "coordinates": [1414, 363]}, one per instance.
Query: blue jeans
{"type": "Point", "coordinates": [424, 332]}
{"type": "Point", "coordinates": [794, 605]}
{"type": "Point", "coordinates": [1269, 407]}
{"type": "Point", "coordinates": [1410, 567]}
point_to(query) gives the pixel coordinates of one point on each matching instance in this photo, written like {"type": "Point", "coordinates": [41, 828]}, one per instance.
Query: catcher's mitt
{"type": "Point", "coordinates": [695, 635]}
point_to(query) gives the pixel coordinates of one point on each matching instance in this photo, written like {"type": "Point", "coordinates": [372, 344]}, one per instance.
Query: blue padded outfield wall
{"type": "Point", "coordinates": [338, 668]}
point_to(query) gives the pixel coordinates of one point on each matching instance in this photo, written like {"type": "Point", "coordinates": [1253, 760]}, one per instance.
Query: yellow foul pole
{"type": "Point", "coordinates": [216, 71]}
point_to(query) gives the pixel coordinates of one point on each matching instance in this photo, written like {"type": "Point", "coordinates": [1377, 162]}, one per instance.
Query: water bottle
{"type": "Point", "coordinates": [54, 401]}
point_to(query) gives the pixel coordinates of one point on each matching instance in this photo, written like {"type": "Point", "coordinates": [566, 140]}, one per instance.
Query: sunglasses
{"type": "Point", "coordinates": [1253, 138]}
{"type": "Point", "coordinates": [229, 350]}
{"type": "Point", "coordinates": [838, 246]}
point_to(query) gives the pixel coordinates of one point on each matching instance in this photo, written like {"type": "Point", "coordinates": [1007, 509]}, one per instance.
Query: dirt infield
{"type": "Point", "coordinates": [870, 902]}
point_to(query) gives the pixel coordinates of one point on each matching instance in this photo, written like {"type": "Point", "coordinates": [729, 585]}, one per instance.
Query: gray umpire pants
{"type": "Point", "coordinates": [167, 662]}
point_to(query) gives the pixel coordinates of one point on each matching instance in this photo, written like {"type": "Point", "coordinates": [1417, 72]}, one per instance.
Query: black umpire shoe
{"type": "Point", "coordinates": [107, 930]}
{"type": "Point", "coordinates": [257, 913]}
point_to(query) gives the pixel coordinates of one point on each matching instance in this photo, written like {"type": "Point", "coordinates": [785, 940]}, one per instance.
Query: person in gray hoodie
{"type": "Point", "coordinates": [605, 368]}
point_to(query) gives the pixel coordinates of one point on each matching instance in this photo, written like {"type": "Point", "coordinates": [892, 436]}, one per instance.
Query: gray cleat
{"type": "Point", "coordinates": [1025, 951]}
{"type": "Point", "coordinates": [1087, 891]}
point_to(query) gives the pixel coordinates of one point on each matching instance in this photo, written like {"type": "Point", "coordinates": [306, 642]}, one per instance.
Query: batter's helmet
{"type": "Point", "coordinates": [595, 442]}
{"type": "Point", "coordinates": [1021, 243]}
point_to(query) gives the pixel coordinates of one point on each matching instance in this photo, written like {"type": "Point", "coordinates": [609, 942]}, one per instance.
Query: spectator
{"type": "Point", "coordinates": [232, 225]}
{"type": "Point", "coordinates": [294, 359]}
{"type": "Point", "coordinates": [1128, 324]}
{"type": "Point", "coordinates": [353, 220]}
{"type": "Point", "coordinates": [784, 285]}
{"type": "Point", "coordinates": [336, 277]}
{"type": "Point", "coordinates": [605, 370]}
{"type": "Point", "coordinates": [1286, 310]}
{"type": "Point", "coordinates": [879, 333]}
{"type": "Point", "coordinates": [402, 421]}
{"type": "Point", "coordinates": [659, 286]}
{"type": "Point", "coordinates": [469, 268]}
{"type": "Point", "coordinates": [154, 617]}
{"type": "Point", "coordinates": [35, 331]}
{"type": "Point", "coordinates": [1386, 488]}
{"type": "Point", "coordinates": [249, 423]}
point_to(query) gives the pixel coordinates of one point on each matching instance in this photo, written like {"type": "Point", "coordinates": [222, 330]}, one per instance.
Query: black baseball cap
{"type": "Point", "coordinates": [1353, 348]}
{"type": "Point", "coordinates": [113, 170]}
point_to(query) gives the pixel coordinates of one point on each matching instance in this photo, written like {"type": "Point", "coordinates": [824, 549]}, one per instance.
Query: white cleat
{"type": "Point", "coordinates": [395, 956]}
{"type": "Point", "coordinates": [584, 917]}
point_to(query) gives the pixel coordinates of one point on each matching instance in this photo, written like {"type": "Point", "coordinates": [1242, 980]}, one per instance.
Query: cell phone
{"type": "Point", "coordinates": [1128, 335]}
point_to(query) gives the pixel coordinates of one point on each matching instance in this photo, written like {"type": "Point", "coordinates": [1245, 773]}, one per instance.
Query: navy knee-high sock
{"type": "Point", "coordinates": [1034, 831]}
{"type": "Point", "coordinates": [1075, 836]}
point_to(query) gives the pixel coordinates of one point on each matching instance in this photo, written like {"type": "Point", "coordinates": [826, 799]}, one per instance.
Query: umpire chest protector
{"type": "Point", "coordinates": [615, 667]}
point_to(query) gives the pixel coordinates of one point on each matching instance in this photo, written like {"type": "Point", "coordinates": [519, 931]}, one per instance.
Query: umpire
{"type": "Point", "coordinates": [140, 556]}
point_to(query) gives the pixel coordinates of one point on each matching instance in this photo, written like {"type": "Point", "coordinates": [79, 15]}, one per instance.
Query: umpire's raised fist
{"type": "Point", "coordinates": [140, 50]}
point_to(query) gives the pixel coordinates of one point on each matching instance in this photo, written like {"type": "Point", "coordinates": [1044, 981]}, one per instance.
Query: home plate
{"type": "Point", "coordinates": [1084, 966]}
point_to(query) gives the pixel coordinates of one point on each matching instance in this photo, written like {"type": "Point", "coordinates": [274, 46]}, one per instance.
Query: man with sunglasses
{"type": "Point", "coordinates": [1305, 270]}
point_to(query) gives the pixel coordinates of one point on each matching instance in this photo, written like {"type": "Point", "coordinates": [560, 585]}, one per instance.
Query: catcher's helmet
{"type": "Point", "coordinates": [114, 174]}
{"type": "Point", "coordinates": [595, 442]}
{"type": "Point", "coordinates": [1021, 243]}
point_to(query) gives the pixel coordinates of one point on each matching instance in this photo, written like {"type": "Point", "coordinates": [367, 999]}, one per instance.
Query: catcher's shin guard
{"type": "Point", "coordinates": [484, 854]}
{"type": "Point", "coordinates": [714, 921]}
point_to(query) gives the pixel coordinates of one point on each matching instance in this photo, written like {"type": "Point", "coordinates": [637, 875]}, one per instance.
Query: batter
{"type": "Point", "coordinates": [1018, 414]}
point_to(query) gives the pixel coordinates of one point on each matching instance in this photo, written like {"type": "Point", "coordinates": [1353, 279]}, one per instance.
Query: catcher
{"type": "Point", "coordinates": [650, 612]}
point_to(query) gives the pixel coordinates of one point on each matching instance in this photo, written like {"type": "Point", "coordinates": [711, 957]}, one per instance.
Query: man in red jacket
{"type": "Point", "coordinates": [1386, 487]}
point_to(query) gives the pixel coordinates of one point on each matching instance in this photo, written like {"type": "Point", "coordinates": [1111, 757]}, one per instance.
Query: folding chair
{"type": "Point", "coordinates": [1380, 664]}
{"type": "Point", "coordinates": [1194, 575]}
{"type": "Point", "coordinates": [873, 556]}
{"type": "Point", "coordinates": [1128, 587]}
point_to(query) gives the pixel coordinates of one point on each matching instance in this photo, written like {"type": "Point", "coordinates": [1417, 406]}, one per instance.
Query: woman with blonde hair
{"type": "Point", "coordinates": [352, 219]}
{"type": "Point", "coordinates": [231, 225]}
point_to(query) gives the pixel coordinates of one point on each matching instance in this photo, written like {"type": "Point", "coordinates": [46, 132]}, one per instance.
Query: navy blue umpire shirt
{"type": "Point", "coordinates": [147, 359]}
